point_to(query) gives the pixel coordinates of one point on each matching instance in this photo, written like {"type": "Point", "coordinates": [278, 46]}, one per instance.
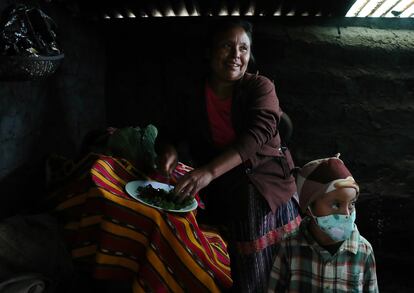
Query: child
{"type": "Point", "coordinates": [327, 254]}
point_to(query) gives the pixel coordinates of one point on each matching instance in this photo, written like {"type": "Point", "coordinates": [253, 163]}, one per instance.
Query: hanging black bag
{"type": "Point", "coordinates": [29, 48]}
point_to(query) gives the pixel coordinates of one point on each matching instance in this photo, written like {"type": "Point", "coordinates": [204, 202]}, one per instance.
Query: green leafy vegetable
{"type": "Point", "coordinates": [134, 144]}
{"type": "Point", "coordinates": [161, 198]}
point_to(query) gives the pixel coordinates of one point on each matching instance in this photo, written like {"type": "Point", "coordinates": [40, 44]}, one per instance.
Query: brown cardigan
{"type": "Point", "coordinates": [255, 116]}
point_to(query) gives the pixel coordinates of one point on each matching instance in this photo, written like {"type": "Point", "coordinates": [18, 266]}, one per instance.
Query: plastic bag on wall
{"type": "Point", "coordinates": [29, 49]}
{"type": "Point", "coordinates": [27, 31]}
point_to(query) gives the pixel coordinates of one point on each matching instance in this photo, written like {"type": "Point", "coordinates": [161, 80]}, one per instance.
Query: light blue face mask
{"type": "Point", "coordinates": [338, 227]}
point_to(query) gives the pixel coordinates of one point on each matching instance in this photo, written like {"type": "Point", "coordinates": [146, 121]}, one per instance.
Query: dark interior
{"type": "Point", "coordinates": [347, 85]}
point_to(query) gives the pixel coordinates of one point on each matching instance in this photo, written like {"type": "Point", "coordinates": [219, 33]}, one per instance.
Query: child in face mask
{"type": "Point", "coordinates": [327, 254]}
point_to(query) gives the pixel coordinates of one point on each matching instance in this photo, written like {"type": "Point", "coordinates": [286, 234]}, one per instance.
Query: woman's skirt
{"type": "Point", "coordinates": [252, 240]}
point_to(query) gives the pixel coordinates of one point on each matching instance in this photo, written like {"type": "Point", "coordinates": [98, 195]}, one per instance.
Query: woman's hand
{"type": "Point", "coordinates": [167, 160]}
{"type": "Point", "coordinates": [192, 182]}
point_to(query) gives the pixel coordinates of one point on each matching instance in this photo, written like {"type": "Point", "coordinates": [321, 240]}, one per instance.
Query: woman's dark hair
{"type": "Point", "coordinates": [222, 25]}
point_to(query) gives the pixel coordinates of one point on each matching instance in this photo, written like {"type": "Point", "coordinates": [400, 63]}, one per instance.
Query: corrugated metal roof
{"type": "Point", "coordinates": [255, 8]}
{"type": "Point", "coordinates": [194, 8]}
{"type": "Point", "coordinates": [382, 8]}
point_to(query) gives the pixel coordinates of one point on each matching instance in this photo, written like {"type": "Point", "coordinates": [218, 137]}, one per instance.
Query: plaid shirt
{"type": "Point", "coordinates": [302, 265]}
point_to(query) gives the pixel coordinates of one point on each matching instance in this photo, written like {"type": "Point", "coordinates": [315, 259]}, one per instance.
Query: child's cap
{"type": "Point", "coordinates": [321, 176]}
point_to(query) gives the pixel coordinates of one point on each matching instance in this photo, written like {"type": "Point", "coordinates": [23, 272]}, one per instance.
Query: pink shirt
{"type": "Point", "coordinates": [219, 117]}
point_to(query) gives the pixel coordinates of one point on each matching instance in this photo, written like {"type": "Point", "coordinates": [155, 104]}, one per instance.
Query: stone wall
{"type": "Point", "coordinates": [351, 90]}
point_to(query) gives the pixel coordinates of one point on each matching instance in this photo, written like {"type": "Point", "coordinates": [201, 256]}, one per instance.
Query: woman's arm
{"type": "Point", "coordinates": [261, 119]}
{"type": "Point", "coordinates": [167, 158]}
{"type": "Point", "coordinates": [194, 181]}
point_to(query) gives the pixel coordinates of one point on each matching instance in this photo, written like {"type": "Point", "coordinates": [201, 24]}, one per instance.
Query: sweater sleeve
{"type": "Point", "coordinates": [262, 117]}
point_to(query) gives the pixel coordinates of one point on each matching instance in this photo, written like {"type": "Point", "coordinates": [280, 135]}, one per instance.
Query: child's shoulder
{"type": "Point", "coordinates": [295, 238]}
{"type": "Point", "coordinates": [358, 245]}
{"type": "Point", "coordinates": [364, 245]}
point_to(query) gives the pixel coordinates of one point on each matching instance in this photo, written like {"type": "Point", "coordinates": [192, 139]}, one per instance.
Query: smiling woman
{"type": "Point", "coordinates": [230, 55]}
{"type": "Point", "coordinates": [229, 120]}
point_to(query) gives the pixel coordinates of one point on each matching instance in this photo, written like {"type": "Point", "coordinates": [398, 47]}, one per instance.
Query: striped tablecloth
{"type": "Point", "coordinates": [116, 237]}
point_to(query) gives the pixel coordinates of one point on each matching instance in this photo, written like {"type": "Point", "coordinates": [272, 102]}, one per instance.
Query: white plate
{"type": "Point", "coordinates": [132, 186]}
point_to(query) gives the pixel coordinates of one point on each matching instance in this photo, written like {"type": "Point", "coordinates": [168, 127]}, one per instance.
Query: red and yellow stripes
{"type": "Point", "coordinates": [118, 237]}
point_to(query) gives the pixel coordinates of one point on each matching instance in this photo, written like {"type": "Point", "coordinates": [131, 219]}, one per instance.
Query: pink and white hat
{"type": "Point", "coordinates": [321, 176]}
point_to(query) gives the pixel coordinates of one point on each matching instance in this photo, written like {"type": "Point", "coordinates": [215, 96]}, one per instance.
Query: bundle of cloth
{"type": "Point", "coordinates": [114, 237]}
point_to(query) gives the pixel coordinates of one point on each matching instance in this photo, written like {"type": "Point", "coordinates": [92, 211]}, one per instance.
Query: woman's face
{"type": "Point", "coordinates": [230, 54]}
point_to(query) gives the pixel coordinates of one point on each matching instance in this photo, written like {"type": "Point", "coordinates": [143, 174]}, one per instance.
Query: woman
{"type": "Point", "coordinates": [230, 121]}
